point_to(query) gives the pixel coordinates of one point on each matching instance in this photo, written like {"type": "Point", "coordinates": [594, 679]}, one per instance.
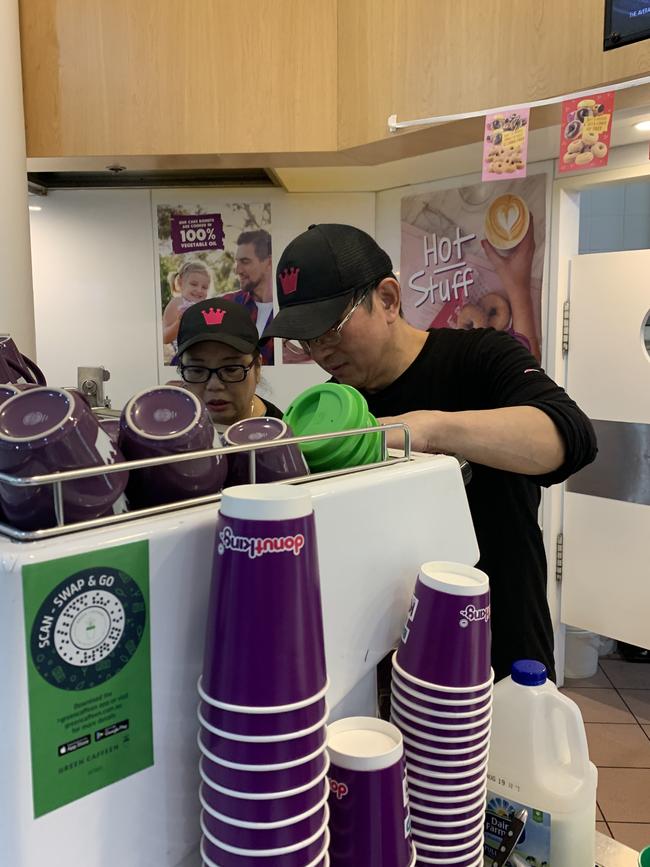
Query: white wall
{"type": "Point", "coordinates": [95, 289]}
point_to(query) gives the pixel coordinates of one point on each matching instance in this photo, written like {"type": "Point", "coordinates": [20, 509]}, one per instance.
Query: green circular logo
{"type": "Point", "coordinates": [88, 628]}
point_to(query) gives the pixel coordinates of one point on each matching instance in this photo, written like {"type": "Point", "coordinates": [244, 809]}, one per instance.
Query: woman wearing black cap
{"type": "Point", "coordinates": [219, 360]}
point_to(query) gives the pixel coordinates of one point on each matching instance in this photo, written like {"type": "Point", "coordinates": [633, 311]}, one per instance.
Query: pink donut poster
{"type": "Point", "coordinates": [473, 257]}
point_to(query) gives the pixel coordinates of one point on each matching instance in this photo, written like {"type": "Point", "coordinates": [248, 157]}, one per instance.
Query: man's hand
{"type": "Point", "coordinates": [419, 424]}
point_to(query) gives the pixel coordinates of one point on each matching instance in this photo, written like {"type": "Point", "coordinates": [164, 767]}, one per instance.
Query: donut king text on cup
{"type": "Point", "coordinates": [472, 614]}
{"type": "Point", "coordinates": [338, 789]}
{"type": "Point", "coordinates": [256, 546]}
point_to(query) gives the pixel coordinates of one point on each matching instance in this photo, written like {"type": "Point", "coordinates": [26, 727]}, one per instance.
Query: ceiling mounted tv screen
{"type": "Point", "coordinates": [626, 21]}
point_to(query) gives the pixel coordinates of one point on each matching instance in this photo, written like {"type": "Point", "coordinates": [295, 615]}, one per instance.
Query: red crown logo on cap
{"type": "Point", "coordinates": [289, 280]}
{"type": "Point", "coordinates": [212, 316]}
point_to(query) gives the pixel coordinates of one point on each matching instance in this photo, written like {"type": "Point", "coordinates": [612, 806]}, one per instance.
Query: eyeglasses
{"type": "Point", "coordinates": [197, 373]}
{"type": "Point", "coordinates": [333, 336]}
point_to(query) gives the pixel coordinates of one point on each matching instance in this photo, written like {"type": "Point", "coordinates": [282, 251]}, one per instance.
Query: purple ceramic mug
{"type": "Point", "coordinates": [252, 723]}
{"type": "Point", "coordinates": [277, 808]}
{"type": "Point", "coordinates": [21, 368]}
{"type": "Point", "coordinates": [257, 782]}
{"type": "Point", "coordinates": [112, 428]}
{"type": "Point", "coordinates": [271, 465]}
{"type": "Point", "coordinates": [264, 638]}
{"type": "Point", "coordinates": [446, 639]}
{"type": "Point", "coordinates": [368, 780]}
{"type": "Point", "coordinates": [46, 430]}
{"type": "Point", "coordinates": [167, 420]}
{"type": "Point", "coordinates": [6, 391]}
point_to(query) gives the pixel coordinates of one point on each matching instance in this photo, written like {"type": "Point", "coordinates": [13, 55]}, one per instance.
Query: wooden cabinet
{"type": "Point", "coordinates": [295, 81]}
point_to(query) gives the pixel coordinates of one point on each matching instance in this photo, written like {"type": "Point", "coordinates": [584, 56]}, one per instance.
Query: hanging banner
{"type": "Point", "coordinates": [88, 671]}
{"type": "Point", "coordinates": [505, 145]}
{"type": "Point", "coordinates": [473, 257]}
{"type": "Point", "coordinates": [585, 132]}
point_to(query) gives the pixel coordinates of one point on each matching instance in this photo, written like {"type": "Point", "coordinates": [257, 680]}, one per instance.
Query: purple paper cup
{"type": "Point", "coordinates": [445, 699]}
{"type": "Point", "coordinates": [432, 756]}
{"type": "Point", "coordinates": [368, 780]}
{"type": "Point", "coordinates": [446, 639]}
{"type": "Point", "coordinates": [167, 420]}
{"type": "Point", "coordinates": [450, 854]}
{"type": "Point", "coordinates": [471, 764]}
{"type": "Point", "coordinates": [465, 838]}
{"type": "Point", "coordinates": [265, 598]}
{"type": "Point", "coordinates": [260, 739]}
{"type": "Point", "coordinates": [273, 835]}
{"type": "Point", "coordinates": [261, 781]}
{"type": "Point", "coordinates": [255, 722]}
{"type": "Point", "coordinates": [473, 861]}
{"type": "Point", "coordinates": [450, 816]}
{"type": "Point", "coordinates": [46, 430]}
{"type": "Point", "coordinates": [445, 714]}
{"type": "Point", "coordinates": [434, 802]}
{"type": "Point", "coordinates": [442, 731]}
{"type": "Point", "coordinates": [435, 789]}
{"type": "Point", "coordinates": [304, 852]}
{"type": "Point", "coordinates": [263, 752]}
{"type": "Point", "coordinates": [271, 465]}
{"type": "Point", "coordinates": [423, 776]}
{"type": "Point", "coordinates": [235, 808]}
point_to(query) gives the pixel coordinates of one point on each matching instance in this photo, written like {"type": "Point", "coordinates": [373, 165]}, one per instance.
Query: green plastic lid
{"type": "Point", "coordinates": [644, 857]}
{"type": "Point", "coordinates": [329, 408]}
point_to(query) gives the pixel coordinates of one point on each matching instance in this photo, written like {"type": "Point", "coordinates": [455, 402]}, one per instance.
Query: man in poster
{"type": "Point", "coordinates": [254, 270]}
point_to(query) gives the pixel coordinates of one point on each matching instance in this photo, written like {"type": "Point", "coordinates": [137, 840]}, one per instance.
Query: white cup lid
{"type": "Point", "coordinates": [266, 502]}
{"type": "Point", "coordinates": [361, 743]}
{"type": "Point", "coordinates": [456, 579]}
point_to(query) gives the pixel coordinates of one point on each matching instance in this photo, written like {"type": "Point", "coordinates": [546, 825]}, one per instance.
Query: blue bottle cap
{"type": "Point", "coordinates": [529, 672]}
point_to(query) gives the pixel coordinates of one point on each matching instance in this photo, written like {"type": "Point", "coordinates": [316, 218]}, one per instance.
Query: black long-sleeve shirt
{"type": "Point", "coordinates": [486, 369]}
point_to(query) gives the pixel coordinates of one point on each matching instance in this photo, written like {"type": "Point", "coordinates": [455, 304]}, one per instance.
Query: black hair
{"type": "Point", "coordinates": [260, 239]}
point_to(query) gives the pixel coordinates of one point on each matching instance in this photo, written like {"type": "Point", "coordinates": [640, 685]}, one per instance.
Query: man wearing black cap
{"type": "Point", "coordinates": [477, 393]}
{"type": "Point", "coordinates": [219, 360]}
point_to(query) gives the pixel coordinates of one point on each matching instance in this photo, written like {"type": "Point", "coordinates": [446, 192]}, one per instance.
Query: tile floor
{"type": "Point", "coordinates": [615, 706]}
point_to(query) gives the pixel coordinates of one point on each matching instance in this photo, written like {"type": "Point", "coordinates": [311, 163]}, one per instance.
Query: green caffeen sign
{"type": "Point", "coordinates": [89, 671]}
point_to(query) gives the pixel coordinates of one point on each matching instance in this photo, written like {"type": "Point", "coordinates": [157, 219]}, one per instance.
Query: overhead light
{"type": "Point", "coordinates": [35, 208]}
{"type": "Point", "coordinates": [643, 126]}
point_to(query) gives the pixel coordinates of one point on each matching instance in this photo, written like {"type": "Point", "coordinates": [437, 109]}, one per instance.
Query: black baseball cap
{"type": "Point", "coordinates": [219, 320]}
{"type": "Point", "coordinates": [318, 275]}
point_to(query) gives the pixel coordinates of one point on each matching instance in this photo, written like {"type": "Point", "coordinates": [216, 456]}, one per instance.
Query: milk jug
{"type": "Point", "coordinates": [539, 769]}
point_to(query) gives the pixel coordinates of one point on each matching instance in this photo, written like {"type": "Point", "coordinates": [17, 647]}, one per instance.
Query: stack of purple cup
{"type": "Point", "coordinates": [263, 716]}
{"type": "Point", "coordinates": [442, 703]}
{"type": "Point", "coordinates": [370, 825]}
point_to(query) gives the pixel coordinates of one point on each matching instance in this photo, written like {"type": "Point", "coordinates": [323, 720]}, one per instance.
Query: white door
{"type": "Point", "coordinates": [606, 577]}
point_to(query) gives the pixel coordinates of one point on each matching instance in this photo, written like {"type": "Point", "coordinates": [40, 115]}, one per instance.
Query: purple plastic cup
{"type": "Point", "coordinates": [446, 639]}
{"type": "Point", "coordinates": [265, 809]}
{"type": "Point", "coordinates": [254, 723]}
{"type": "Point", "coordinates": [305, 853]}
{"type": "Point", "coordinates": [444, 714]}
{"type": "Point", "coordinates": [271, 465]}
{"type": "Point", "coordinates": [21, 368]}
{"type": "Point", "coordinates": [263, 752]}
{"type": "Point", "coordinates": [281, 778]}
{"type": "Point", "coordinates": [368, 780]}
{"type": "Point", "coordinates": [264, 639]}
{"type": "Point", "coordinates": [444, 698]}
{"type": "Point", "coordinates": [167, 420]}
{"type": "Point", "coordinates": [46, 430]}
